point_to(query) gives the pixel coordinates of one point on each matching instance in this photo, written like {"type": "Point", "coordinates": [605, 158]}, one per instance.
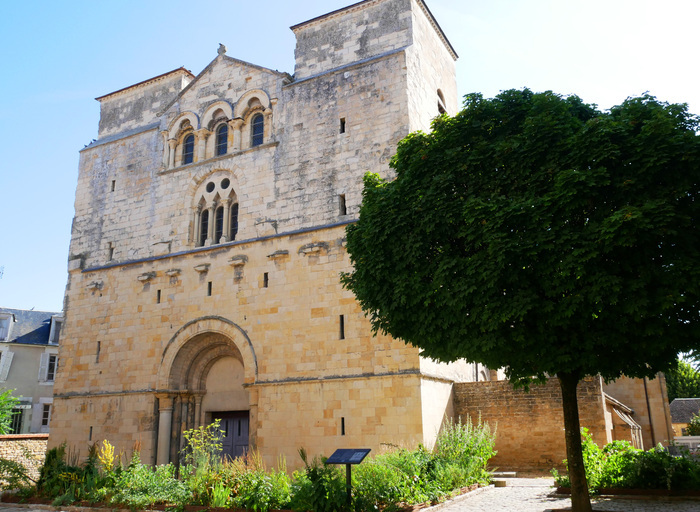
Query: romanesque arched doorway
{"type": "Point", "coordinates": [204, 375]}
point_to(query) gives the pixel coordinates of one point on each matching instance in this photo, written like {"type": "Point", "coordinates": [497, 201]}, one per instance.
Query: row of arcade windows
{"type": "Point", "coordinates": [219, 232]}
{"type": "Point", "coordinates": [221, 143]}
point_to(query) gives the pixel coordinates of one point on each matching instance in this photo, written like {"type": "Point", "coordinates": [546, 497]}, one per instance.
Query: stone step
{"type": "Point", "coordinates": [505, 474]}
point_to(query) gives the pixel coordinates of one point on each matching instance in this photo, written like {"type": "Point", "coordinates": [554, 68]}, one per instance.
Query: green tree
{"type": "Point", "coordinates": [682, 381]}
{"type": "Point", "coordinates": [533, 232]}
{"type": "Point", "coordinates": [7, 405]}
{"type": "Point", "coordinates": [693, 428]}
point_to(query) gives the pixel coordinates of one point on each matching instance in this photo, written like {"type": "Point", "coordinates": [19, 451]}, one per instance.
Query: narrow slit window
{"type": "Point", "coordinates": [114, 184]}
{"type": "Point", "coordinates": [110, 252]}
{"type": "Point", "coordinates": [209, 289]}
{"type": "Point", "coordinates": [219, 224]}
{"type": "Point", "coordinates": [266, 280]}
{"type": "Point", "coordinates": [342, 125]}
{"type": "Point", "coordinates": [342, 207]}
{"type": "Point", "coordinates": [342, 327]}
{"type": "Point", "coordinates": [257, 130]}
{"type": "Point", "coordinates": [234, 221]}
{"type": "Point", "coordinates": [342, 426]}
{"type": "Point", "coordinates": [203, 227]}
{"type": "Point", "coordinates": [90, 434]}
{"type": "Point", "coordinates": [222, 139]}
{"type": "Point", "coordinates": [188, 150]}
{"type": "Point", "coordinates": [158, 297]}
{"type": "Point", "coordinates": [97, 353]}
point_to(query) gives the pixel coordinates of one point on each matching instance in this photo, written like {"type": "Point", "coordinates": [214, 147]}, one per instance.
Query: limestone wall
{"type": "Point", "coordinates": [362, 31]}
{"type": "Point", "coordinates": [530, 426]}
{"type": "Point", "coordinates": [649, 400]}
{"type": "Point", "coordinates": [27, 449]}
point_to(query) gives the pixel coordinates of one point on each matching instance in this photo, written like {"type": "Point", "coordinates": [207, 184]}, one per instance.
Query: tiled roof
{"type": "Point", "coordinates": [682, 409]}
{"type": "Point", "coordinates": [30, 327]}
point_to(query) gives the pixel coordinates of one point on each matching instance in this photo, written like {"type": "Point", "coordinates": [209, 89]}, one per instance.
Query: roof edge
{"type": "Point", "coordinates": [181, 69]}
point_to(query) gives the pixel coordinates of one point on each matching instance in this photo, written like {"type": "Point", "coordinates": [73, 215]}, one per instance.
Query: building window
{"type": "Point", "coordinates": [55, 334]}
{"type": "Point", "coordinates": [221, 139]}
{"type": "Point", "coordinates": [342, 208]}
{"type": "Point", "coordinates": [188, 149]}
{"type": "Point", "coordinates": [219, 224]}
{"type": "Point", "coordinates": [16, 423]}
{"type": "Point", "coordinates": [234, 221]}
{"type": "Point", "coordinates": [48, 367]}
{"type": "Point", "coordinates": [46, 415]}
{"type": "Point", "coordinates": [5, 327]}
{"type": "Point", "coordinates": [441, 102]}
{"type": "Point", "coordinates": [257, 129]}
{"type": "Point", "coordinates": [342, 125]}
{"type": "Point", "coordinates": [203, 227]}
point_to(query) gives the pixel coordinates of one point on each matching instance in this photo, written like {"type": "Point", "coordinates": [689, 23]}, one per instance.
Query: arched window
{"type": "Point", "coordinates": [441, 102]}
{"type": "Point", "coordinates": [203, 227]}
{"type": "Point", "coordinates": [221, 139]}
{"type": "Point", "coordinates": [234, 221]}
{"type": "Point", "coordinates": [219, 224]}
{"type": "Point", "coordinates": [188, 150]}
{"type": "Point", "coordinates": [257, 129]}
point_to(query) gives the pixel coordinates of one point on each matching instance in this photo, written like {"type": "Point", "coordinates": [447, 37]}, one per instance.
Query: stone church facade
{"type": "Point", "coordinates": [208, 239]}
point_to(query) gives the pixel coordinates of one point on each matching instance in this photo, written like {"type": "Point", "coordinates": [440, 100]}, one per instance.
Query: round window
{"type": "Point", "coordinates": [225, 183]}
{"type": "Point", "coordinates": [210, 186]}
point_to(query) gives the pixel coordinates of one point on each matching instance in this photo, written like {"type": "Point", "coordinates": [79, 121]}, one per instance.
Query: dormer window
{"type": "Point", "coordinates": [257, 130]}
{"type": "Point", "coordinates": [222, 139]}
{"type": "Point", "coordinates": [5, 326]}
{"type": "Point", "coordinates": [56, 325]}
{"type": "Point", "coordinates": [188, 149]}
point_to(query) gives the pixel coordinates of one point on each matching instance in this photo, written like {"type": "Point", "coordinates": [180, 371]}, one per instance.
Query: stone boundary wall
{"type": "Point", "coordinates": [27, 449]}
{"type": "Point", "coordinates": [530, 426]}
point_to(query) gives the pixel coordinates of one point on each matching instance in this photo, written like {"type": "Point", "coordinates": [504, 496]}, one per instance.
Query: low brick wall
{"type": "Point", "coordinates": [27, 449]}
{"type": "Point", "coordinates": [530, 426]}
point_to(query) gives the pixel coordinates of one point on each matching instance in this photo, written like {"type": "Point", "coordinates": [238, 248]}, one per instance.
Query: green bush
{"type": "Point", "coordinates": [693, 428]}
{"type": "Point", "coordinates": [140, 486]}
{"type": "Point", "coordinates": [620, 465]}
{"type": "Point", "coordinates": [319, 488]}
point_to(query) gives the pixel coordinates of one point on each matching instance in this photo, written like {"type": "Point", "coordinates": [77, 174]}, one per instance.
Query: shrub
{"type": "Point", "coordinates": [693, 428]}
{"type": "Point", "coordinates": [140, 486]}
{"type": "Point", "coordinates": [619, 464]}
{"type": "Point", "coordinates": [467, 447]}
{"type": "Point", "coordinates": [319, 488]}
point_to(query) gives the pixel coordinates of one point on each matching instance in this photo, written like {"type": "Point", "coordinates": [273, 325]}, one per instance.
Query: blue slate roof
{"type": "Point", "coordinates": [682, 409]}
{"type": "Point", "coordinates": [30, 327]}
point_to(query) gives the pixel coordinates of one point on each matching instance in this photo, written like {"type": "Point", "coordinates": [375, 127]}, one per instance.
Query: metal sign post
{"type": "Point", "coordinates": [348, 456]}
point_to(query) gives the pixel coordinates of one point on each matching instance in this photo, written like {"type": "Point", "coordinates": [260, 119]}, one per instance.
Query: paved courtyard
{"type": "Point", "coordinates": [536, 495]}
{"type": "Point", "coordinates": [520, 495]}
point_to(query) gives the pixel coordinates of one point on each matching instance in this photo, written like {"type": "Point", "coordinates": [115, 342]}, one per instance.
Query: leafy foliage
{"type": "Point", "coordinates": [620, 465]}
{"type": "Point", "coordinates": [7, 406]}
{"type": "Point", "coordinates": [693, 428]}
{"type": "Point", "coordinates": [682, 381]}
{"type": "Point", "coordinates": [533, 232]}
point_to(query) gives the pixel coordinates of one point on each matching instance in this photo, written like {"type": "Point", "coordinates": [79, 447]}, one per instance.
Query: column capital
{"type": "Point", "coordinates": [165, 401]}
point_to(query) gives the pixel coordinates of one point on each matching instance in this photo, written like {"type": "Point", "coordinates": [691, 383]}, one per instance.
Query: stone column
{"type": "Point", "coordinates": [236, 125]}
{"type": "Point", "coordinates": [202, 136]}
{"type": "Point", "coordinates": [165, 410]}
{"type": "Point", "coordinates": [198, 411]}
{"type": "Point", "coordinates": [166, 148]}
{"type": "Point", "coordinates": [227, 220]}
{"type": "Point", "coordinates": [210, 228]}
{"type": "Point", "coordinates": [267, 124]}
{"type": "Point", "coordinates": [171, 157]}
{"type": "Point", "coordinates": [197, 224]}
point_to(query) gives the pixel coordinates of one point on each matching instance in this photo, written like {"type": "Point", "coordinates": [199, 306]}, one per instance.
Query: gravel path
{"type": "Point", "coordinates": [536, 495]}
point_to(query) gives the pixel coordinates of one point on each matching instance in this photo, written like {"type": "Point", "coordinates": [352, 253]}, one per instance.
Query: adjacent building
{"type": "Point", "coordinates": [29, 342]}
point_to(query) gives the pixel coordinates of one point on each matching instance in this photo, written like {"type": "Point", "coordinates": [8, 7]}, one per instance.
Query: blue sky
{"type": "Point", "coordinates": [58, 56]}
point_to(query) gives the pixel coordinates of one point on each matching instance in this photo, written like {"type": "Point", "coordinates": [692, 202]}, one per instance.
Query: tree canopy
{"type": "Point", "coordinates": [682, 381]}
{"type": "Point", "coordinates": [533, 232]}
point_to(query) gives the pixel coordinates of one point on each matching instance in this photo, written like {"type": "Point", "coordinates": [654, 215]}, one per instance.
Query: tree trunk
{"type": "Point", "coordinates": [580, 499]}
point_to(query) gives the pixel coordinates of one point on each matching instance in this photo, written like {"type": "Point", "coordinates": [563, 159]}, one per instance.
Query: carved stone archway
{"type": "Point", "coordinates": [186, 363]}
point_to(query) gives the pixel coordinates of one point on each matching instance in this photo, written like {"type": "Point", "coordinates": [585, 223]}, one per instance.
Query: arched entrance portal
{"type": "Point", "coordinates": [203, 374]}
